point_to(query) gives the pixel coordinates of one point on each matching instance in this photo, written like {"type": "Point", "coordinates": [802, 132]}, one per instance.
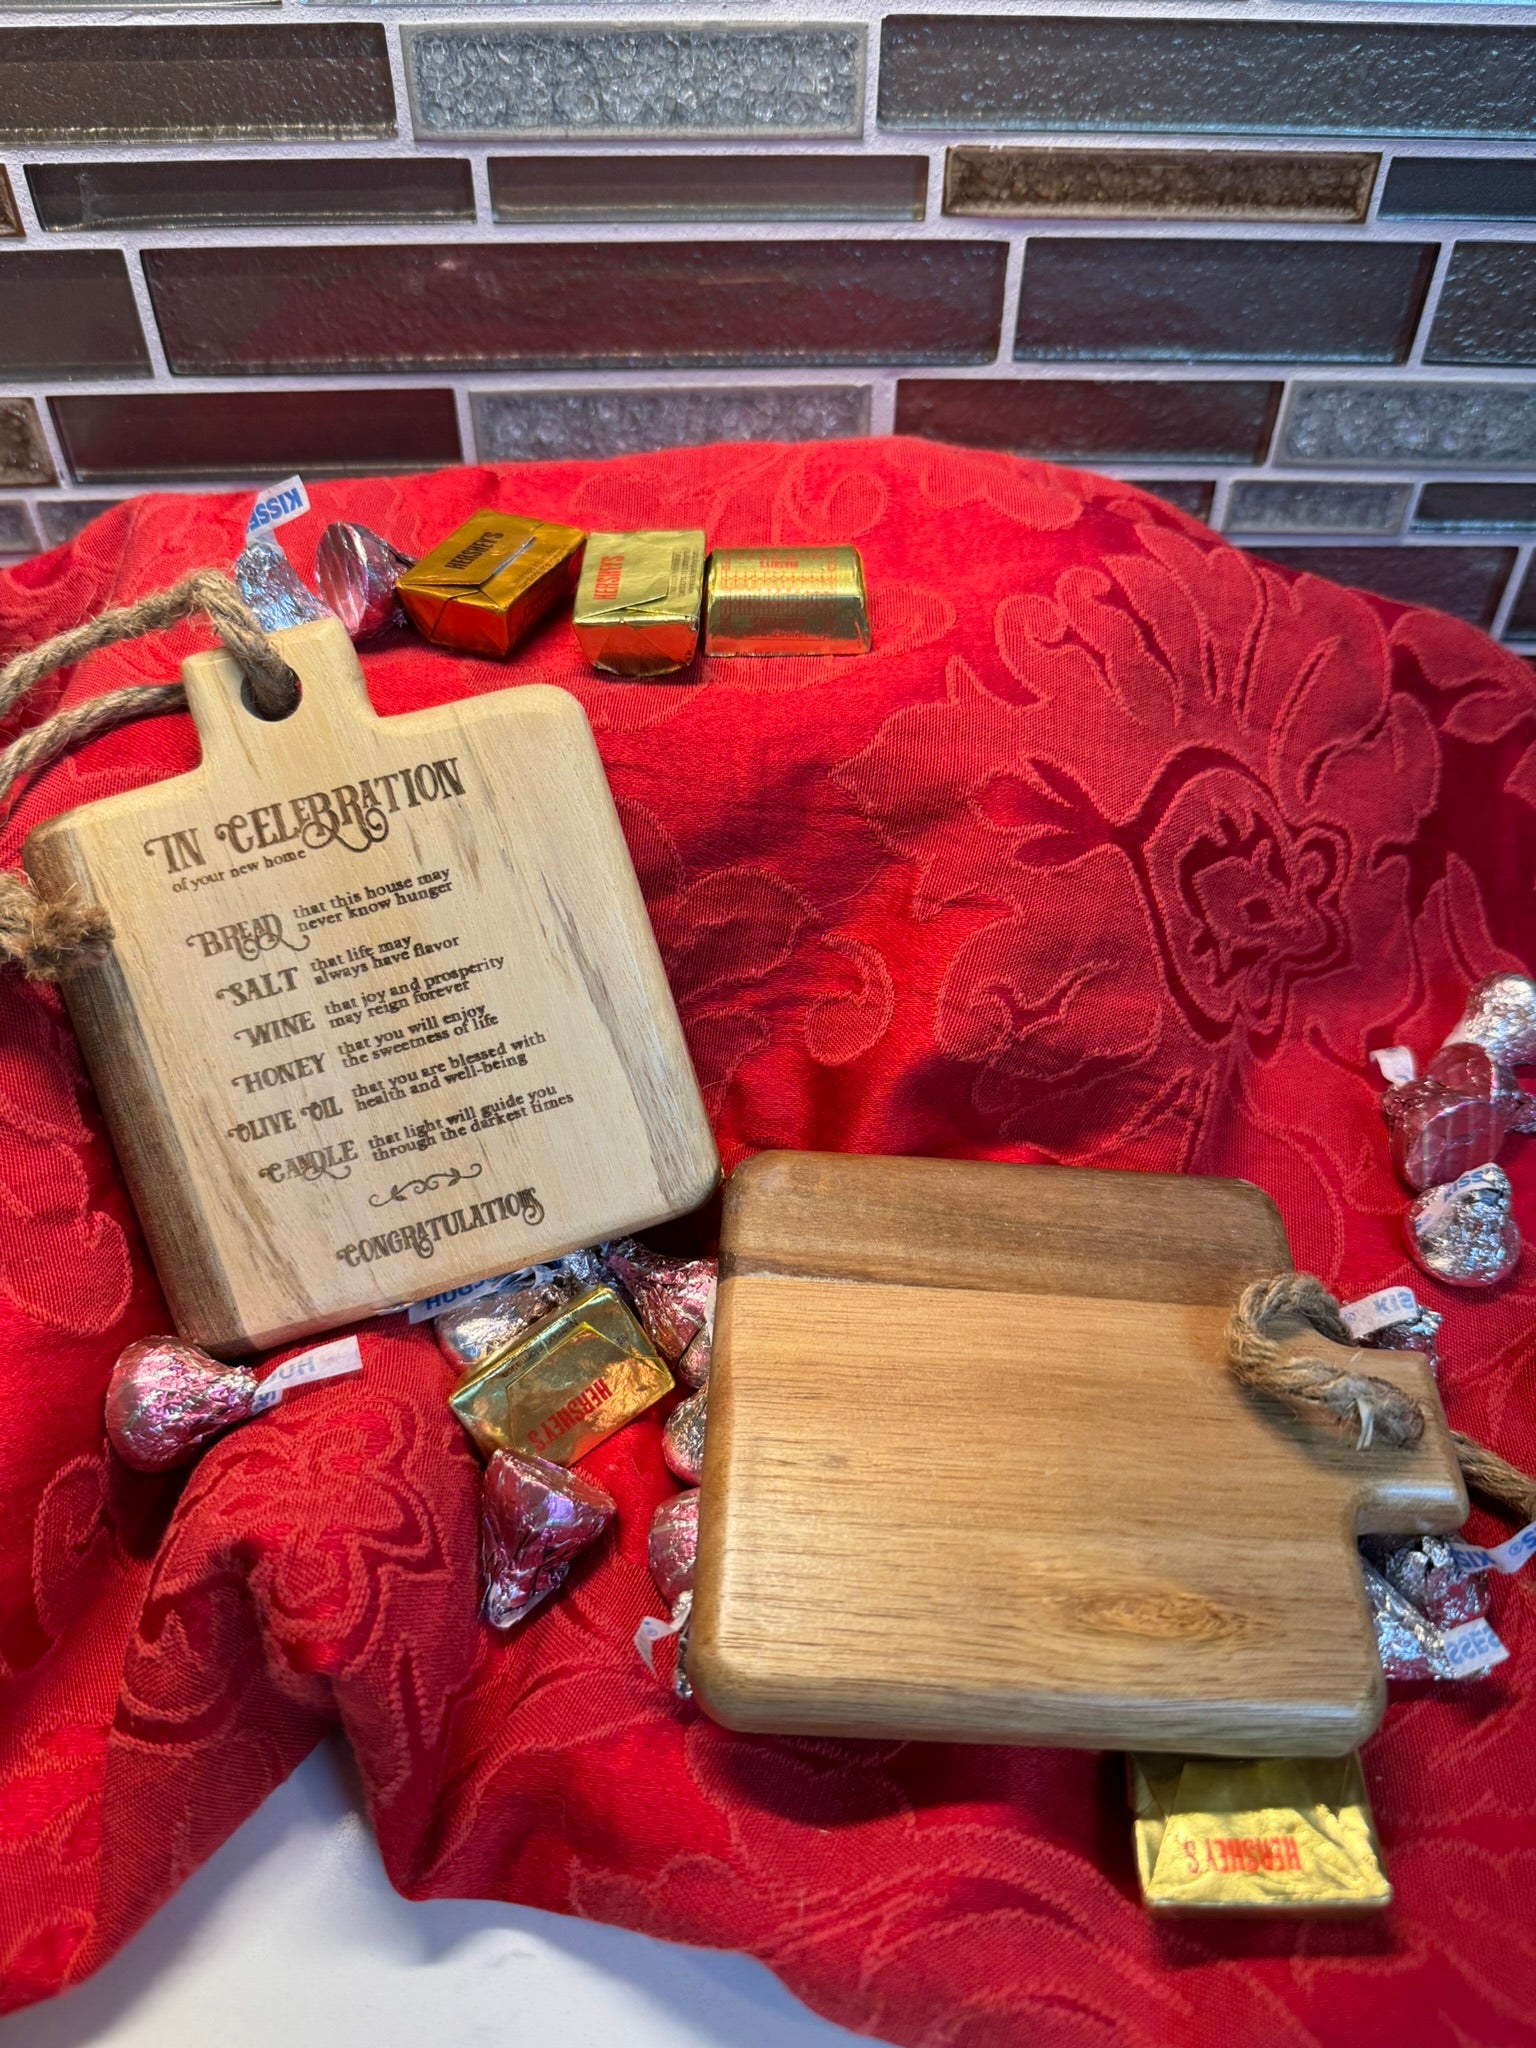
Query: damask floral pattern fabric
{"type": "Point", "coordinates": [1121, 849]}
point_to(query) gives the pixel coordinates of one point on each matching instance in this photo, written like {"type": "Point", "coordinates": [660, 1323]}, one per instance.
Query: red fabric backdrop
{"type": "Point", "coordinates": [1121, 849]}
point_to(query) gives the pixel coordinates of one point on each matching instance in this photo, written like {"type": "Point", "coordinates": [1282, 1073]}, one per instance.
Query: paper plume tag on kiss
{"type": "Point", "coordinates": [331, 1361]}
{"type": "Point", "coordinates": [1379, 1311]}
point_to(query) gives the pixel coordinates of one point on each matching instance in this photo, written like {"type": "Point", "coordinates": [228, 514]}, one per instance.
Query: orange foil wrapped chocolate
{"type": "Point", "coordinates": [482, 588]}
{"type": "Point", "coordinates": [786, 601]}
{"type": "Point", "coordinates": [639, 601]}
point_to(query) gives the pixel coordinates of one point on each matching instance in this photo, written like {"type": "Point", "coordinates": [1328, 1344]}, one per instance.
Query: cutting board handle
{"type": "Point", "coordinates": [333, 696]}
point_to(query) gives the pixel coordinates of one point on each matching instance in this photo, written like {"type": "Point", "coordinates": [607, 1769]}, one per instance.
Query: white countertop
{"type": "Point", "coordinates": [291, 1935]}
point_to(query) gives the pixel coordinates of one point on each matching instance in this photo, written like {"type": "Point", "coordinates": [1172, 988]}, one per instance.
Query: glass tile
{"type": "Point", "coordinates": [16, 532]}
{"type": "Point", "coordinates": [261, 82]}
{"type": "Point", "coordinates": [62, 518]}
{"type": "Point", "coordinates": [1095, 420]}
{"type": "Point", "coordinates": [1521, 624]}
{"type": "Point", "coordinates": [541, 426]}
{"type": "Point", "coordinates": [1124, 299]}
{"type": "Point", "coordinates": [1460, 188]}
{"type": "Point", "coordinates": [1470, 506]}
{"type": "Point", "coordinates": [1405, 425]}
{"type": "Point", "coordinates": [216, 193]}
{"type": "Point", "coordinates": [1238, 77]}
{"type": "Point", "coordinates": [216, 435]}
{"type": "Point", "coordinates": [611, 81]}
{"type": "Point", "coordinates": [10, 222]}
{"type": "Point", "coordinates": [708, 187]}
{"type": "Point", "coordinates": [69, 313]}
{"type": "Point", "coordinates": [1487, 311]}
{"type": "Point", "coordinates": [1147, 184]}
{"type": "Point", "coordinates": [546, 305]}
{"type": "Point", "coordinates": [24, 457]}
{"type": "Point", "coordinates": [1466, 582]}
{"type": "Point", "coordinates": [1190, 494]}
{"type": "Point", "coordinates": [1281, 505]}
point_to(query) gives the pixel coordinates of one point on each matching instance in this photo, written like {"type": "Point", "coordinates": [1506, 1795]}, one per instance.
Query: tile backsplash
{"type": "Point", "coordinates": [1279, 267]}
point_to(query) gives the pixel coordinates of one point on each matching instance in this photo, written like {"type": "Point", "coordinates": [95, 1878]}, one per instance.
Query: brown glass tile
{"type": "Point", "coordinates": [742, 187]}
{"type": "Point", "coordinates": [191, 435]}
{"type": "Point", "coordinates": [24, 457]}
{"type": "Point", "coordinates": [1466, 582]}
{"type": "Point", "coordinates": [216, 193]}
{"type": "Point", "coordinates": [1147, 184]}
{"type": "Point", "coordinates": [263, 82]}
{"type": "Point", "coordinates": [1143, 299]}
{"type": "Point", "coordinates": [231, 311]}
{"type": "Point", "coordinates": [69, 313]}
{"type": "Point", "coordinates": [10, 222]}
{"type": "Point", "coordinates": [1100, 420]}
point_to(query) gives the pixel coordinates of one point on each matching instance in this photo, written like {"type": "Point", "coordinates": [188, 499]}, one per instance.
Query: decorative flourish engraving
{"type": "Point", "coordinates": [450, 1177]}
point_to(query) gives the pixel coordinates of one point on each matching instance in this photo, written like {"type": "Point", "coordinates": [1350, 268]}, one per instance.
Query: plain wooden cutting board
{"type": "Point", "coordinates": [977, 1470]}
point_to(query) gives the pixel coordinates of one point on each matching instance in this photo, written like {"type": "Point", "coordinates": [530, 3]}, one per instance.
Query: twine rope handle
{"type": "Point", "coordinates": [48, 940]}
{"type": "Point", "coordinates": [1271, 1314]}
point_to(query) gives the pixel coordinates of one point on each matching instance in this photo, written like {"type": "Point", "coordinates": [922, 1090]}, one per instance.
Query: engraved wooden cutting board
{"type": "Point", "coordinates": [976, 1470]}
{"type": "Point", "coordinates": [384, 1013]}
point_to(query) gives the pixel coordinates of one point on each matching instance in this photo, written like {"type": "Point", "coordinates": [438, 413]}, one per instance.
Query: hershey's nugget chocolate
{"type": "Point", "coordinates": [1275, 1835]}
{"type": "Point", "coordinates": [639, 601]}
{"type": "Point", "coordinates": [483, 587]}
{"type": "Point", "coordinates": [786, 601]}
{"type": "Point", "coordinates": [557, 1390]}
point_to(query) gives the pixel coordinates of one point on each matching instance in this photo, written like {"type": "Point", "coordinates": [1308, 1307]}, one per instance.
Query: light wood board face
{"type": "Point", "coordinates": [977, 1469]}
{"type": "Point", "coordinates": [383, 1013]}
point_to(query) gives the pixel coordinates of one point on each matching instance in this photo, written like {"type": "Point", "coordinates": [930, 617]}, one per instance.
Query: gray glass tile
{"type": "Point", "coordinates": [10, 222]}
{"type": "Point", "coordinates": [1093, 420]}
{"type": "Point", "coordinates": [1521, 624]}
{"type": "Point", "coordinates": [588, 303]}
{"type": "Point", "coordinates": [538, 426]}
{"type": "Point", "coordinates": [1460, 188]}
{"type": "Point", "coordinates": [1405, 425]}
{"type": "Point", "coordinates": [1466, 582]}
{"type": "Point", "coordinates": [263, 82]}
{"type": "Point", "coordinates": [1188, 493]}
{"type": "Point", "coordinates": [212, 435]}
{"type": "Point", "coordinates": [216, 193]}
{"type": "Point", "coordinates": [1487, 310]}
{"type": "Point", "coordinates": [1148, 184]}
{"type": "Point", "coordinates": [744, 187]}
{"type": "Point", "coordinates": [557, 82]}
{"type": "Point", "coordinates": [62, 518]}
{"type": "Point", "coordinates": [16, 532]}
{"type": "Point", "coordinates": [24, 457]}
{"type": "Point", "coordinates": [1474, 506]}
{"type": "Point", "coordinates": [1123, 299]}
{"type": "Point", "coordinates": [1321, 78]}
{"type": "Point", "coordinates": [69, 313]}
{"type": "Point", "coordinates": [1281, 505]}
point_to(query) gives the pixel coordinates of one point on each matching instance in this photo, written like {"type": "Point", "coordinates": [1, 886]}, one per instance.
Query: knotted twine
{"type": "Point", "coordinates": [49, 939]}
{"type": "Point", "coordinates": [1272, 1314]}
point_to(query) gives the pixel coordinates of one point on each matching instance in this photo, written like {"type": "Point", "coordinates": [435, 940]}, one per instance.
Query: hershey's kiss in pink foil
{"type": "Point", "coordinates": [1416, 1333]}
{"type": "Point", "coordinates": [682, 1441]}
{"type": "Point", "coordinates": [1501, 1017]}
{"type": "Point", "coordinates": [356, 572]}
{"type": "Point", "coordinates": [535, 1518]}
{"type": "Point", "coordinates": [692, 1368]}
{"type": "Point", "coordinates": [674, 1298]}
{"type": "Point", "coordinates": [672, 1549]}
{"type": "Point", "coordinates": [166, 1398]}
{"type": "Point", "coordinates": [1454, 1116]}
{"type": "Point", "coordinates": [1464, 1233]}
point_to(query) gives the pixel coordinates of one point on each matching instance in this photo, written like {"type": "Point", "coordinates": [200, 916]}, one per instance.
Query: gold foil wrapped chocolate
{"type": "Point", "coordinates": [1272, 1835]}
{"type": "Point", "coordinates": [639, 601]}
{"type": "Point", "coordinates": [558, 1389]}
{"type": "Point", "coordinates": [483, 587]}
{"type": "Point", "coordinates": [786, 601]}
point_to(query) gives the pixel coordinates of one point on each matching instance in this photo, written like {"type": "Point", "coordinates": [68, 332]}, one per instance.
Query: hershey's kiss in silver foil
{"type": "Point", "coordinates": [165, 1399]}
{"type": "Point", "coordinates": [1501, 1017]}
{"type": "Point", "coordinates": [1424, 1569]}
{"type": "Point", "coordinates": [356, 571]}
{"type": "Point", "coordinates": [273, 588]}
{"type": "Point", "coordinates": [1464, 1232]}
{"type": "Point", "coordinates": [682, 1441]}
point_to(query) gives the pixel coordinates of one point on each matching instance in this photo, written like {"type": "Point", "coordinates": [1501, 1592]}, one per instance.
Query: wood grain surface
{"type": "Point", "coordinates": [976, 1469]}
{"type": "Point", "coordinates": [384, 1013]}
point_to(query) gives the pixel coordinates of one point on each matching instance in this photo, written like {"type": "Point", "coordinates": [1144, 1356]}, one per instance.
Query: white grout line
{"type": "Point", "coordinates": [1431, 304]}
{"type": "Point", "coordinates": [1524, 556]}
